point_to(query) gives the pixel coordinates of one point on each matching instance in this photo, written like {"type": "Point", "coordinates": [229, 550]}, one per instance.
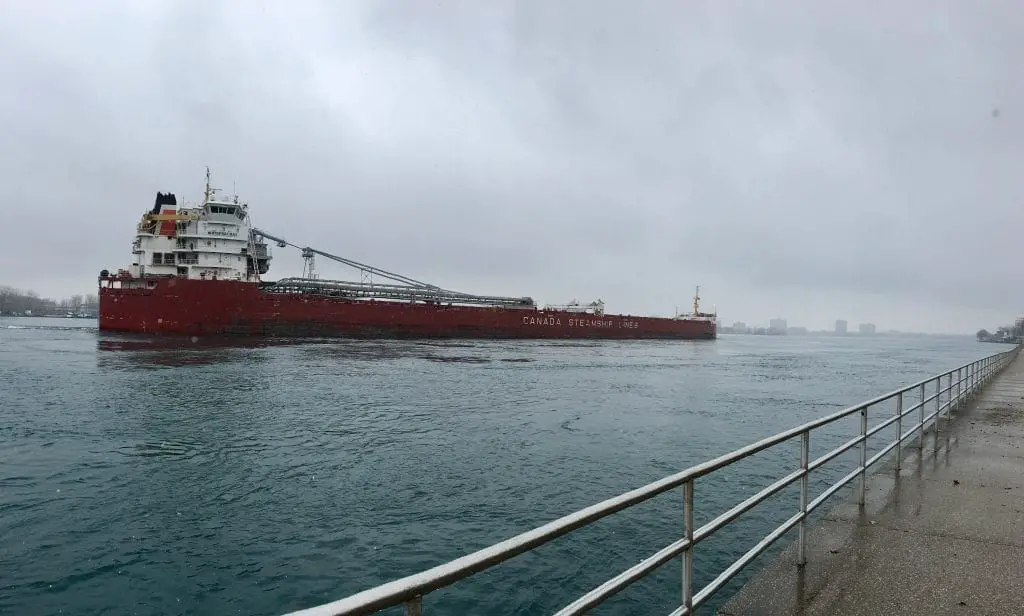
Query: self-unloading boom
{"type": "Point", "coordinates": [360, 266]}
{"type": "Point", "coordinates": [363, 290]}
{"type": "Point", "coordinates": [408, 289]}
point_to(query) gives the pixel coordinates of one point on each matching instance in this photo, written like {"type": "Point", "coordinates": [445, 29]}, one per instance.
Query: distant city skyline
{"type": "Point", "coordinates": [780, 325]}
{"type": "Point", "coordinates": [819, 323]}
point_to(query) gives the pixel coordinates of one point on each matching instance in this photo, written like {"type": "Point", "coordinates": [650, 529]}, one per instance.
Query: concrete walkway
{"type": "Point", "coordinates": [945, 537]}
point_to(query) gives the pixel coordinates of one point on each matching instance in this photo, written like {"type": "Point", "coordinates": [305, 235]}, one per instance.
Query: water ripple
{"type": "Point", "coordinates": [155, 476]}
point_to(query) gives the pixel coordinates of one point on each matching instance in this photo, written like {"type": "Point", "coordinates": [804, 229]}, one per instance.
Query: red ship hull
{"type": "Point", "coordinates": [224, 307]}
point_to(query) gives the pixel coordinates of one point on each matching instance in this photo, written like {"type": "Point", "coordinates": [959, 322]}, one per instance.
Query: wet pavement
{"type": "Point", "coordinates": [945, 536]}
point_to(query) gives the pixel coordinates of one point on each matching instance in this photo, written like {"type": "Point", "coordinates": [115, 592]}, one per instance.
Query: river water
{"type": "Point", "coordinates": [148, 476]}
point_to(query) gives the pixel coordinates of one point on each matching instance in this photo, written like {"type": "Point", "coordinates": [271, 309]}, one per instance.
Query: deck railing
{"type": "Point", "coordinates": [922, 400]}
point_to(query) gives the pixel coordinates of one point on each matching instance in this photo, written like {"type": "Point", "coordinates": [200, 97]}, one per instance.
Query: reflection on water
{"type": "Point", "coordinates": [153, 352]}
{"type": "Point", "coordinates": [143, 352]}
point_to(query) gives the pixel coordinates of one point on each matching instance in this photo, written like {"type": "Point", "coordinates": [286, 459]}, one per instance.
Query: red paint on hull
{"type": "Point", "coordinates": [219, 307]}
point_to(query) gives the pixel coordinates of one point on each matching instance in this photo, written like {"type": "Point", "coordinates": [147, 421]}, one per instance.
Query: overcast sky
{"type": "Point", "coordinates": [806, 160]}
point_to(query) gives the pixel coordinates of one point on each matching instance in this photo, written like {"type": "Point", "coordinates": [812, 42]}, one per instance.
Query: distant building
{"type": "Point", "coordinates": [797, 331]}
{"type": "Point", "coordinates": [739, 327]}
{"type": "Point", "coordinates": [840, 327]}
{"type": "Point", "coordinates": [777, 326]}
{"type": "Point", "coordinates": [866, 328]}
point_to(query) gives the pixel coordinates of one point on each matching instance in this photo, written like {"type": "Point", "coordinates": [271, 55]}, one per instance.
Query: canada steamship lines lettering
{"type": "Point", "coordinates": [599, 323]}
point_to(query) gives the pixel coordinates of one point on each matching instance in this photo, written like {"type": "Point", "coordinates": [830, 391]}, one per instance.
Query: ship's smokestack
{"type": "Point", "coordinates": [163, 199]}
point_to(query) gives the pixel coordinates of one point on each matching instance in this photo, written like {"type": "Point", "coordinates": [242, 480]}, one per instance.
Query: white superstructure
{"type": "Point", "coordinates": [212, 242]}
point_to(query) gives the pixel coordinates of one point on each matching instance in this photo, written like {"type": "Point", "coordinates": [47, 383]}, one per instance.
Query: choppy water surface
{"type": "Point", "coordinates": [141, 476]}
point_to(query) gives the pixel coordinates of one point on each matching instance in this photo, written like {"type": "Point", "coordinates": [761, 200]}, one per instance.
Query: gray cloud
{"type": "Point", "coordinates": [806, 160]}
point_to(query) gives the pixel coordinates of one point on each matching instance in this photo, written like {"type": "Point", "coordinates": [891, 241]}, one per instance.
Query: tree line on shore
{"type": "Point", "coordinates": [16, 302]}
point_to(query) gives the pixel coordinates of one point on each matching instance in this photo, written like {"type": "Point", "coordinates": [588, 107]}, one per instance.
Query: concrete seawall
{"type": "Point", "coordinates": [943, 536]}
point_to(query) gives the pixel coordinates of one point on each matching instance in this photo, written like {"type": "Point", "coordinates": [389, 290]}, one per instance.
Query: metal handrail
{"type": "Point", "coordinates": [969, 378]}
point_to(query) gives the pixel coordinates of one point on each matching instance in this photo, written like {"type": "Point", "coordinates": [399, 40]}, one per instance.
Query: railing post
{"type": "Point", "coordinates": [938, 397]}
{"type": "Point", "coordinates": [949, 397]}
{"type": "Point", "coordinates": [805, 451]}
{"type": "Point", "coordinates": [920, 423]}
{"type": "Point", "coordinates": [414, 606]}
{"type": "Point", "coordinates": [863, 454]}
{"type": "Point", "coordinates": [899, 432]}
{"type": "Point", "coordinates": [688, 554]}
{"type": "Point", "coordinates": [949, 409]}
{"type": "Point", "coordinates": [959, 386]}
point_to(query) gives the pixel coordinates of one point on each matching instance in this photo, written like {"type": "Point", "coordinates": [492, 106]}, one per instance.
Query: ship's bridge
{"type": "Point", "coordinates": [213, 241]}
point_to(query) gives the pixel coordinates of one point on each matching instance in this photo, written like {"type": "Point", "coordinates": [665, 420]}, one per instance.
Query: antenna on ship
{"type": "Point", "coordinates": [206, 191]}
{"type": "Point", "coordinates": [696, 301]}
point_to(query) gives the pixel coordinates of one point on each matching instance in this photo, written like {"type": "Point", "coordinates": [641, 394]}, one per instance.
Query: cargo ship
{"type": "Point", "coordinates": [200, 270]}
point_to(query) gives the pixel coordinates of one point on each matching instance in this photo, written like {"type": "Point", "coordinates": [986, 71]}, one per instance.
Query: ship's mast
{"type": "Point", "coordinates": [207, 191]}
{"type": "Point", "coordinates": [696, 302]}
